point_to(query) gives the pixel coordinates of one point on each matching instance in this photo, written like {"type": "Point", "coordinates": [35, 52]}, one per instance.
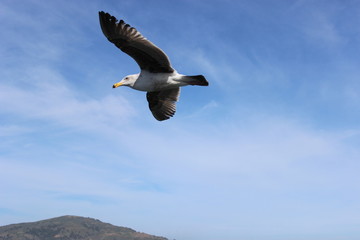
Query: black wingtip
{"type": "Point", "coordinates": [102, 13]}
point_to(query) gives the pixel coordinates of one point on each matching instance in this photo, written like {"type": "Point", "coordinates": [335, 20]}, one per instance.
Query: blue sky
{"type": "Point", "coordinates": [270, 150]}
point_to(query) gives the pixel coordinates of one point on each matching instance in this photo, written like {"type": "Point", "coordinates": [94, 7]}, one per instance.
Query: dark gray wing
{"type": "Point", "coordinates": [163, 103]}
{"type": "Point", "coordinates": [129, 40]}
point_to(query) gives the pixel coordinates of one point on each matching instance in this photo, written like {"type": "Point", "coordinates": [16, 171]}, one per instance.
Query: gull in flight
{"type": "Point", "coordinates": [161, 82]}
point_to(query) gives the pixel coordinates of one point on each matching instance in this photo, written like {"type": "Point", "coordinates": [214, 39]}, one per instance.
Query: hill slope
{"type": "Point", "coordinates": [71, 228]}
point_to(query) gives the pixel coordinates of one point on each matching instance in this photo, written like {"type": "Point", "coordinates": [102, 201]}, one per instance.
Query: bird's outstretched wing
{"type": "Point", "coordinates": [129, 40]}
{"type": "Point", "coordinates": [163, 103]}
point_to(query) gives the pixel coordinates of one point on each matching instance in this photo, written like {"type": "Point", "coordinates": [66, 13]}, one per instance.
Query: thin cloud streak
{"type": "Point", "coordinates": [51, 99]}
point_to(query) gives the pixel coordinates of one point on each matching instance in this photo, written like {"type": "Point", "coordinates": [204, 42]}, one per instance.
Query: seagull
{"type": "Point", "coordinates": [161, 82]}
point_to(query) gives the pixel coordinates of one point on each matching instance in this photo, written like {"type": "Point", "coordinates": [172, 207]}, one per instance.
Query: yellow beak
{"type": "Point", "coordinates": [117, 85]}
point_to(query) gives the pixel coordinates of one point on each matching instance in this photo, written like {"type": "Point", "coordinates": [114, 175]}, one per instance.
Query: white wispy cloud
{"type": "Point", "coordinates": [13, 130]}
{"type": "Point", "coordinates": [200, 167]}
{"type": "Point", "coordinates": [33, 84]}
{"type": "Point", "coordinates": [320, 29]}
{"type": "Point", "coordinates": [45, 95]}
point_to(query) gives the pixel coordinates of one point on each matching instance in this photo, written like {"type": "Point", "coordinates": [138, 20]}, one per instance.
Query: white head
{"type": "Point", "coordinates": [129, 81]}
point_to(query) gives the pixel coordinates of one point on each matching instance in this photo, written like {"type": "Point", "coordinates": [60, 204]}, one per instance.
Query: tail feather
{"type": "Point", "coordinates": [196, 80]}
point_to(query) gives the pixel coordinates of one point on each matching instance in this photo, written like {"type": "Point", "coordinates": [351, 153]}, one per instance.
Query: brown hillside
{"type": "Point", "coordinates": [71, 228]}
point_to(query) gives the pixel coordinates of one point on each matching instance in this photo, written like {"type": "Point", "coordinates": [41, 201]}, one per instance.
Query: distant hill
{"type": "Point", "coordinates": [71, 228]}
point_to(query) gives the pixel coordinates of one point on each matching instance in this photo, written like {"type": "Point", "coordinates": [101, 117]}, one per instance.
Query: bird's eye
{"type": "Point", "coordinates": [126, 78]}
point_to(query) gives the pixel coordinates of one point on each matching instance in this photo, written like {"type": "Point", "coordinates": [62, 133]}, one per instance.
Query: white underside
{"type": "Point", "coordinates": [151, 82]}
